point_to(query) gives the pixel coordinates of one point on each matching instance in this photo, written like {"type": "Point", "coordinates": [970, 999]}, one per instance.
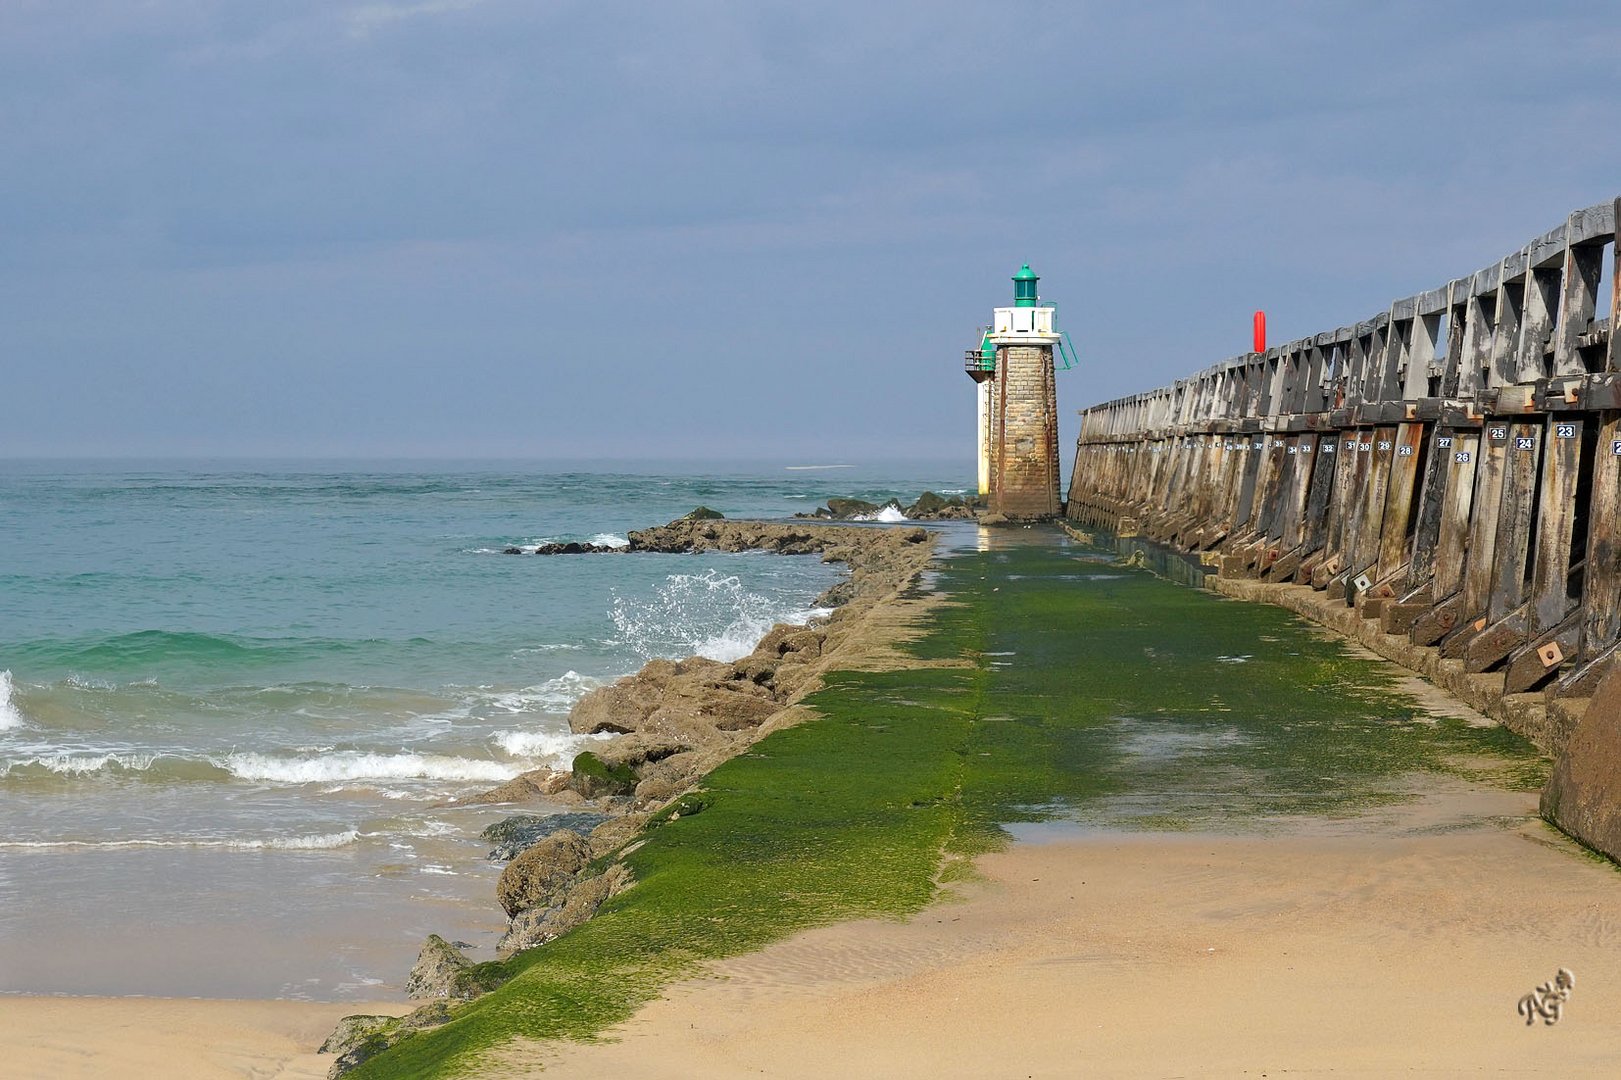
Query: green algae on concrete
{"type": "Point", "coordinates": [1099, 692]}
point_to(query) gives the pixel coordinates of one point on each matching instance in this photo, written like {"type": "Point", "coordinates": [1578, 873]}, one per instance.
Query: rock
{"type": "Point", "coordinates": [634, 751]}
{"type": "Point", "coordinates": [702, 513]}
{"type": "Point", "coordinates": [1583, 795]}
{"type": "Point", "coordinates": [615, 833]}
{"type": "Point", "coordinates": [362, 1037]}
{"type": "Point", "coordinates": [524, 787]}
{"type": "Point", "coordinates": [658, 672]}
{"type": "Point", "coordinates": [731, 710]}
{"type": "Point", "coordinates": [836, 595]}
{"type": "Point", "coordinates": [437, 972]}
{"type": "Point", "coordinates": [702, 667]}
{"type": "Point", "coordinates": [772, 644]}
{"type": "Point", "coordinates": [513, 835]}
{"type": "Point", "coordinates": [618, 709]}
{"type": "Point", "coordinates": [537, 926]}
{"type": "Point", "coordinates": [927, 505]}
{"type": "Point", "coordinates": [806, 644]}
{"type": "Point", "coordinates": [512, 551]}
{"type": "Point", "coordinates": [757, 669]}
{"type": "Point", "coordinates": [845, 509]}
{"type": "Point", "coordinates": [535, 877]}
{"type": "Point", "coordinates": [352, 1031]}
{"type": "Point", "coordinates": [592, 777]}
{"type": "Point", "coordinates": [657, 790]}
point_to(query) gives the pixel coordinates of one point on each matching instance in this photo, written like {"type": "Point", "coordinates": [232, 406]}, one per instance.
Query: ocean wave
{"type": "Point", "coordinates": [10, 715]}
{"type": "Point", "coordinates": [609, 540]}
{"type": "Point", "coordinates": [356, 765]}
{"type": "Point", "coordinates": [556, 695]}
{"type": "Point", "coordinates": [556, 746]}
{"type": "Point", "coordinates": [550, 646]}
{"type": "Point", "coordinates": [312, 842]}
{"type": "Point", "coordinates": [145, 766]}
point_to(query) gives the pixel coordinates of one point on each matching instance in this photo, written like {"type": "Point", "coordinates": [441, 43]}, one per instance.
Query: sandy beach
{"type": "Point", "coordinates": [63, 1038]}
{"type": "Point", "coordinates": [1394, 945]}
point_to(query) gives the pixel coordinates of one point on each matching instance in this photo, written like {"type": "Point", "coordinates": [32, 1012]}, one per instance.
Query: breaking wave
{"type": "Point", "coordinates": [355, 765]}
{"type": "Point", "coordinates": [10, 715]}
{"type": "Point", "coordinates": [145, 766]}
{"type": "Point", "coordinates": [312, 842]}
{"type": "Point", "coordinates": [557, 747]}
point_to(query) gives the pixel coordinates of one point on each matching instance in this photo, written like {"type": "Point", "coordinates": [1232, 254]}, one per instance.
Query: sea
{"type": "Point", "coordinates": [238, 697]}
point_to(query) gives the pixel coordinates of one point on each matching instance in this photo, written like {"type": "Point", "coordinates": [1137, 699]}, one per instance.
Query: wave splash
{"type": "Point", "coordinates": [708, 614]}
{"type": "Point", "coordinates": [10, 715]}
{"type": "Point", "coordinates": [889, 515]}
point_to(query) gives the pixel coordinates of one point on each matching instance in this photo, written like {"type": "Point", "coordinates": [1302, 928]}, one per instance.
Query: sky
{"type": "Point", "coordinates": [740, 231]}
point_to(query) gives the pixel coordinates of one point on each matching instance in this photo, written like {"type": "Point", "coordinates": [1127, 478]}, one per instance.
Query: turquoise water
{"type": "Point", "coordinates": [249, 689]}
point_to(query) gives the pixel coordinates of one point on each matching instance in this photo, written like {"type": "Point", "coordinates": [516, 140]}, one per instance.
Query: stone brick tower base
{"type": "Point", "coordinates": [1024, 434]}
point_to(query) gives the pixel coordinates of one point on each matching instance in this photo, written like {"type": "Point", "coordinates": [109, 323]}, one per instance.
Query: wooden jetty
{"type": "Point", "coordinates": [1445, 476]}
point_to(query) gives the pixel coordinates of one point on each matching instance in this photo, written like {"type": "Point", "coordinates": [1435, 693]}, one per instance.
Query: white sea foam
{"type": "Point", "coordinates": [552, 696]}
{"type": "Point", "coordinates": [953, 491]}
{"type": "Point", "coordinates": [609, 540]}
{"type": "Point", "coordinates": [556, 746]}
{"type": "Point", "coordinates": [312, 842]}
{"type": "Point", "coordinates": [10, 715]}
{"type": "Point", "coordinates": [354, 765]}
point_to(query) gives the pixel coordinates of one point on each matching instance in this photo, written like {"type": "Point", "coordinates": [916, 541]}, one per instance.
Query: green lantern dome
{"type": "Point", "coordinates": [1024, 287]}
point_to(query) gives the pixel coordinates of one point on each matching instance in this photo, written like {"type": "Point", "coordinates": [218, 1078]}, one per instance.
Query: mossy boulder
{"type": "Point", "coordinates": [593, 777]}
{"type": "Point", "coordinates": [578, 904]}
{"type": "Point", "coordinates": [702, 513]}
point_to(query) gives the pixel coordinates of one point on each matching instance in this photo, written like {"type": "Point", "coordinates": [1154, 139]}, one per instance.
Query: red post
{"type": "Point", "coordinates": [1260, 331]}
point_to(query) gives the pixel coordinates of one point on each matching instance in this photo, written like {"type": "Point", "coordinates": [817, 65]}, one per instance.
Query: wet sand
{"type": "Point", "coordinates": [67, 1038]}
{"type": "Point", "coordinates": [1397, 944]}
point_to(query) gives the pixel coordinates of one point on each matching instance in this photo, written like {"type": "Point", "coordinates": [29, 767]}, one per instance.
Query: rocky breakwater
{"type": "Point", "coordinates": [928, 507]}
{"type": "Point", "coordinates": [671, 723]}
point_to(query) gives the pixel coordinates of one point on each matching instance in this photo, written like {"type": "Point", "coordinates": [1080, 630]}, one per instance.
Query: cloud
{"type": "Point", "coordinates": [368, 18]}
{"type": "Point", "coordinates": [385, 195]}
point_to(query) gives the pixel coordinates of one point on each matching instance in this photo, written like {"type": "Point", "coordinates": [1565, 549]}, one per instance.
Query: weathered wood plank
{"type": "Point", "coordinates": [1489, 474]}
{"type": "Point", "coordinates": [1601, 593]}
{"type": "Point", "coordinates": [1551, 601]}
{"type": "Point", "coordinates": [1460, 456]}
{"type": "Point", "coordinates": [1518, 505]}
{"type": "Point", "coordinates": [1395, 539]}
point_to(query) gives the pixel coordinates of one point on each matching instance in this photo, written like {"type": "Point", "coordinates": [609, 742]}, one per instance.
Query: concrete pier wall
{"type": "Point", "coordinates": [1443, 478]}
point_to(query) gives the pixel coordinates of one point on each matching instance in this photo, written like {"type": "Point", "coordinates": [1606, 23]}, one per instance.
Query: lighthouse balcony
{"type": "Point", "coordinates": [978, 366]}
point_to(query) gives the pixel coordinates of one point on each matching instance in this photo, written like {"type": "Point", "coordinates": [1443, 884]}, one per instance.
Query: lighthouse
{"type": "Point", "coordinates": [1018, 405]}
